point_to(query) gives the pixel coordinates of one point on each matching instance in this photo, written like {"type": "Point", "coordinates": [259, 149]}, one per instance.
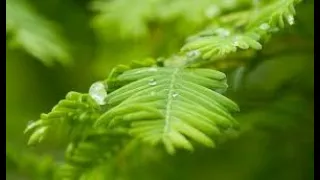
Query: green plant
{"type": "Point", "coordinates": [35, 34]}
{"type": "Point", "coordinates": [174, 102]}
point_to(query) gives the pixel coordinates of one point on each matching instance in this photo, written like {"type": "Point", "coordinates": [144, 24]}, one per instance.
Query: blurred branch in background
{"type": "Point", "coordinates": [135, 23]}
{"type": "Point", "coordinates": [36, 35]}
{"type": "Point", "coordinates": [21, 164]}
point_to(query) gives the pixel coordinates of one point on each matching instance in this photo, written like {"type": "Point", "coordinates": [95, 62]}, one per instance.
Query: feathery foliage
{"type": "Point", "coordinates": [77, 112]}
{"type": "Point", "coordinates": [242, 30]}
{"type": "Point", "coordinates": [169, 105]}
{"type": "Point", "coordinates": [156, 102]}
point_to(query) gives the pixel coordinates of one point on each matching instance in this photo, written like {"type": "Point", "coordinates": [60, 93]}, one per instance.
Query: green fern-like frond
{"type": "Point", "coordinates": [166, 105]}
{"type": "Point", "coordinates": [274, 14]}
{"type": "Point", "coordinates": [112, 81]}
{"type": "Point", "coordinates": [241, 30]}
{"type": "Point", "coordinates": [221, 43]}
{"type": "Point", "coordinates": [170, 105]}
{"type": "Point", "coordinates": [34, 34]}
{"type": "Point", "coordinates": [159, 102]}
{"type": "Point", "coordinates": [76, 113]}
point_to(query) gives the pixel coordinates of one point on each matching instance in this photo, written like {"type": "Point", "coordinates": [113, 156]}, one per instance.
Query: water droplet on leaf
{"type": "Point", "coordinates": [264, 26]}
{"type": "Point", "coordinates": [152, 82]}
{"type": "Point", "coordinates": [98, 91]}
{"type": "Point", "coordinates": [175, 94]}
{"type": "Point", "coordinates": [194, 53]}
{"type": "Point", "coordinates": [222, 32]}
{"type": "Point", "coordinates": [153, 69]}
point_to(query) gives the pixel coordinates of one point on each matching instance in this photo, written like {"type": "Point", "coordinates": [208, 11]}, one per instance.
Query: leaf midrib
{"type": "Point", "coordinates": [169, 102]}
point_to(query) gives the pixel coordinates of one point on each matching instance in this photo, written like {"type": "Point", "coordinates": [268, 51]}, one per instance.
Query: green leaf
{"type": "Point", "coordinates": [223, 43]}
{"type": "Point", "coordinates": [275, 14]}
{"type": "Point", "coordinates": [171, 105]}
{"type": "Point", "coordinates": [73, 114]}
{"type": "Point", "coordinates": [241, 30]}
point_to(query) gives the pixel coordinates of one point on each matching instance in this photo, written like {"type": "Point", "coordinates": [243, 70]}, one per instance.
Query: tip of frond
{"type": "Point", "coordinates": [37, 136]}
{"type": "Point", "coordinates": [211, 145]}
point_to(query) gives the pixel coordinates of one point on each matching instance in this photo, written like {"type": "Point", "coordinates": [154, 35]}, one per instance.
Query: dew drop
{"type": "Point", "coordinates": [222, 32]}
{"type": "Point", "coordinates": [264, 26]}
{"type": "Point", "coordinates": [153, 69]}
{"type": "Point", "coordinates": [212, 11]}
{"type": "Point", "coordinates": [175, 94]}
{"type": "Point", "coordinates": [194, 53]}
{"type": "Point", "coordinates": [98, 91]}
{"type": "Point", "coordinates": [241, 45]}
{"type": "Point", "coordinates": [152, 82]}
{"type": "Point", "coordinates": [290, 19]}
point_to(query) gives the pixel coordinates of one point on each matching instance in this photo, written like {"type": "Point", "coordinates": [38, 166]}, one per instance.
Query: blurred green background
{"type": "Point", "coordinates": [56, 46]}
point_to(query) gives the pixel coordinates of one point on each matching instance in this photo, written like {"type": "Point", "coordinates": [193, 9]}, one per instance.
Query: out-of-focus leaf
{"type": "Point", "coordinates": [34, 34]}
